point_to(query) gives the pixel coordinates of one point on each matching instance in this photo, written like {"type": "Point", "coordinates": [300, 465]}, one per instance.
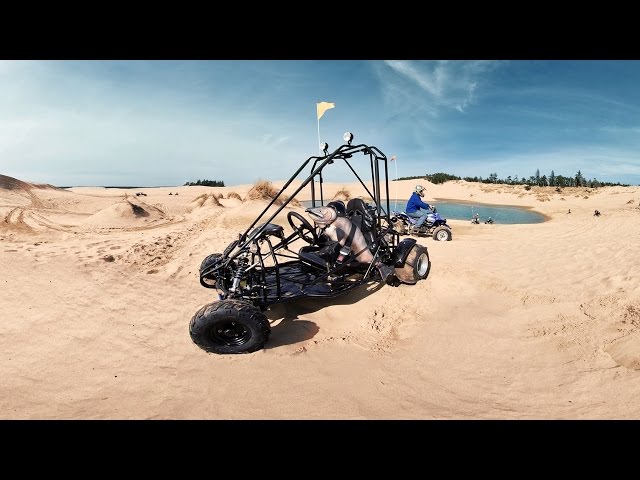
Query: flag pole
{"type": "Point", "coordinates": [319, 148]}
{"type": "Point", "coordinates": [395, 202]}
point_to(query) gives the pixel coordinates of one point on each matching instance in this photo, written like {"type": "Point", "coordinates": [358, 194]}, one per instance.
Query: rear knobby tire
{"type": "Point", "coordinates": [416, 266]}
{"type": "Point", "coordinates": [442, 234]}
{"type": "Point", "coordinates": [229, 327]}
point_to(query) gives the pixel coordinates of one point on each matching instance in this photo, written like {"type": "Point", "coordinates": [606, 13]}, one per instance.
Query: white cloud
{"type": "Point", "coordinates": [621, 130]}
{"type": "Point", "coordinates": [268, 140]}
{"type": "Point", "coordinates": [443, 84]}
{"type": "Point", "coordinates": [431, 82]}
{"type": "Point", "coordinates": [63, 123]}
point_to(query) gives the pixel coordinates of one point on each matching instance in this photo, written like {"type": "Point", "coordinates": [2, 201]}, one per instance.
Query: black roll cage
{"type": "Point", "coordinates": [342, 153]}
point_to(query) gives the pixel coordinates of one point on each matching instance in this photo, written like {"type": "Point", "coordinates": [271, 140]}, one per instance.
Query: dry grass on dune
{"type": "Point", "coordinates": [206, 199]}
{"type": "Point", "coordinates": [234, 195]}
{"type": "Point", "coordinates": [264, 190]}
{"type": "Point", "coordinates": [342, 194]}
{"type": "Point", "coordinates": [213, 200]}
{"type": "Point", "coordinates": [261, 190]}
{"type": "Point", "coordinates": [199, 200]}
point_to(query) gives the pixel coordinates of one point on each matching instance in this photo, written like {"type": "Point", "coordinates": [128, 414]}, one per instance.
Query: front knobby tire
{"type": "Point", "coordinates": [209, 281]}
{"type": "Point", "coordinates": [442, 234]}
{"type": "Point", "coordinates": [416, 266]}
{"type": "Point", "coordinates": [229, 327]}
{"type": "Point", "coordinates": [209, 260]}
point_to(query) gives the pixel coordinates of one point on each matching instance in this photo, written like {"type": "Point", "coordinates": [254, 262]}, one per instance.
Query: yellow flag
{"type": "Point", "coordinates": [323, 107]}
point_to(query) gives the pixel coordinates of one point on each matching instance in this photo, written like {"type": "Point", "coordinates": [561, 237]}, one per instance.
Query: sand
{"type": "Point", "coordinates": [536, 321]}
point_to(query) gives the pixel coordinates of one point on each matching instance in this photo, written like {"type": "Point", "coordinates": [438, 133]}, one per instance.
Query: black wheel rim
{"type": "Point", "coordinates": [230, 332]}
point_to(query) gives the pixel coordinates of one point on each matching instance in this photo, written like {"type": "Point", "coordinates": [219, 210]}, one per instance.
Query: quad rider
{"type": "Point", "coordinates": [416, 208]}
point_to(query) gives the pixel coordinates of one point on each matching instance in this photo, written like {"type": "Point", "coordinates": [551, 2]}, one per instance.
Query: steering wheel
{"type": "Point", "coordinates": [301, 229]}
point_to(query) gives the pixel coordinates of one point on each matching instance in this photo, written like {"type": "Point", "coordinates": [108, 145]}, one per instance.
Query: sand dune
{"type": "Point", "coordinates": [127, 211]}
{"type": "Point", "coordinates": [10, 183]}
{"type": "Point", "coordinates": [537, 321]}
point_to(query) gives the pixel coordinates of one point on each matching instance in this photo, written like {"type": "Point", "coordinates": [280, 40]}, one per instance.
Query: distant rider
{"type": "Point", "coordinates": [416, 208]}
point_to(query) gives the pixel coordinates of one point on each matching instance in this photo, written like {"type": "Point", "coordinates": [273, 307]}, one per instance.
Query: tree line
{"type": "Point", "coordinates": [205, 183]}
{"type": "Point", "coordinates": [553, 180]}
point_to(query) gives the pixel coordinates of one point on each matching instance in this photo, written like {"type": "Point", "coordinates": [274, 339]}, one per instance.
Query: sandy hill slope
{"type": "Point", "coordinates": [10, 183]}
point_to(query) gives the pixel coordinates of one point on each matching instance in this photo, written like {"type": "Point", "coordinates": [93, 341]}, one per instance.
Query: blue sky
{"type": "Point", "coordinates": [149, 123]}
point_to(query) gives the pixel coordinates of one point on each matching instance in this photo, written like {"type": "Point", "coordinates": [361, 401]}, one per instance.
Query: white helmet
{"type": "Point", "coordinates": [420, 190]}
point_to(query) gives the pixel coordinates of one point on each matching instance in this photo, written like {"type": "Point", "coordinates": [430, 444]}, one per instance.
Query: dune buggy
{"type": "Point", "coordinates": [266, 266]}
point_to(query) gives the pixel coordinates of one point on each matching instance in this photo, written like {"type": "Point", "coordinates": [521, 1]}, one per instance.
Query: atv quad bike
{"type": "Point", "coordinates": [266, 266]}
{"type": "Point", "coordinates": [434, 226]}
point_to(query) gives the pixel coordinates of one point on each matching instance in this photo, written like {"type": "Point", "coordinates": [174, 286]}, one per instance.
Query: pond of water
{"type": "Point", "coordinates": [465, 211]}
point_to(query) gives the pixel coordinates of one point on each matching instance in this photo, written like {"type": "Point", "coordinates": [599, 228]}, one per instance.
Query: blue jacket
{"type": "Point", "coordinates": [414, 204]}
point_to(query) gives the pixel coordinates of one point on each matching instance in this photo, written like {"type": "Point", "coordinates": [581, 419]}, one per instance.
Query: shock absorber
{"type": "Point", "coordinates": [243, 262]}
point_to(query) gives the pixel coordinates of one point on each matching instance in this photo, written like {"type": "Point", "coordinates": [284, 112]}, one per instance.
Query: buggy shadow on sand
{"type": "Point", "coordinates": [291, 323]}
{"type": "Point", "coordinates": [261, 268]}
